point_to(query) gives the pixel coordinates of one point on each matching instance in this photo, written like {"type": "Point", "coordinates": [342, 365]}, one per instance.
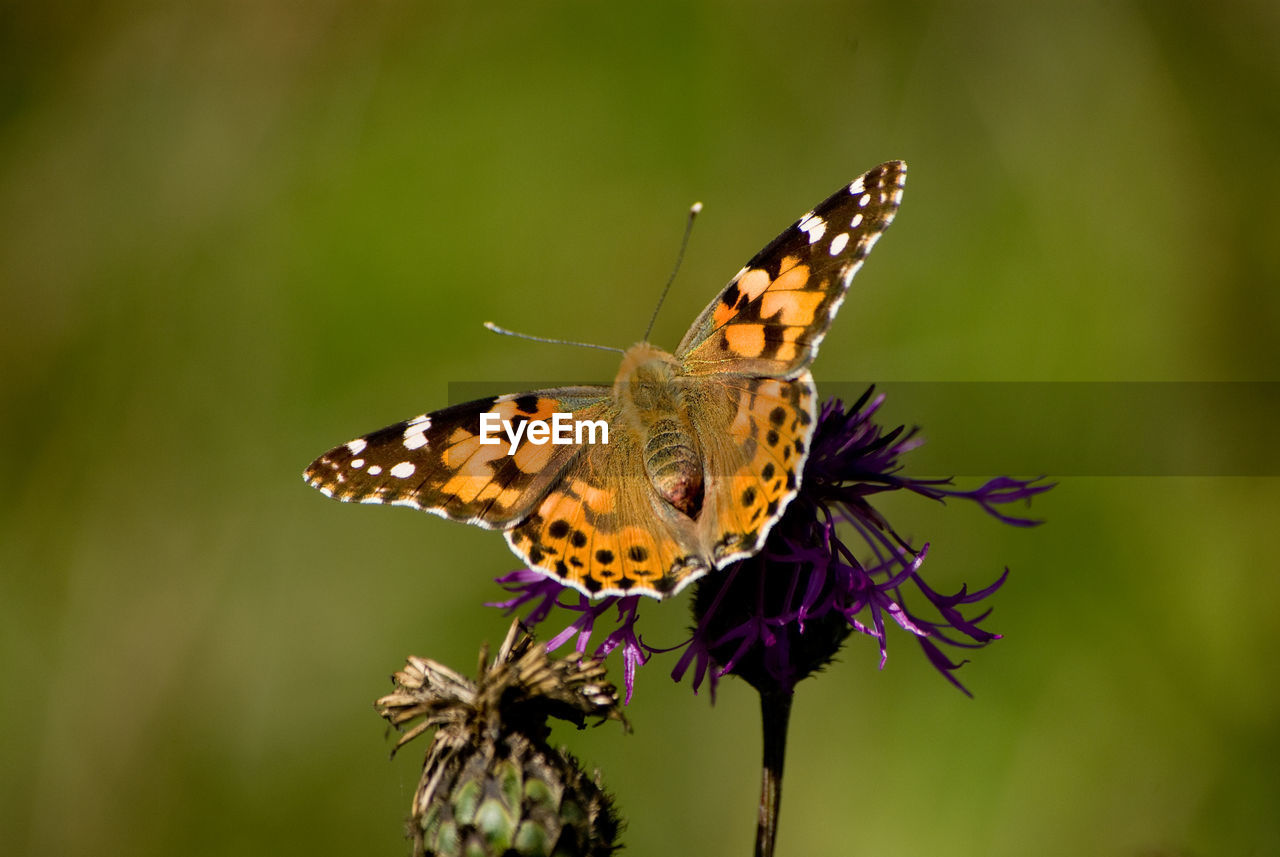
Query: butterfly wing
{"type": "Point", "coordinates": [603, 530]}
{"type": "Point", "coordinates": [770, 319]}
{"type": "Point", "coordinates": [752, 347]}
{"type": "Point", "coordinates": [753, 460]}
{"type": "Point", "coordinates": [437, 463]}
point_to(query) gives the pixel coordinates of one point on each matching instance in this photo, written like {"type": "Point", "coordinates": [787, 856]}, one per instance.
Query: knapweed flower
{"type": "Point", "coordinates": [833, 565]}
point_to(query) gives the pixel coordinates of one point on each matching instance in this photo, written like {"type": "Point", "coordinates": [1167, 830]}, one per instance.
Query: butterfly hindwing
{"type": "Point", "coordinates": [436, 462]}
{"type": "Point", "coordinates": [754, 464]}
{"type": "Point", "coordinates": [771, 317]}
{"type": "Point", "coordinates": [602, 530]}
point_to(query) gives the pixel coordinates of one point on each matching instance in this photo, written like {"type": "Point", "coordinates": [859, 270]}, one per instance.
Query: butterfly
{"type": "Point", "coordinates": [705, 445]}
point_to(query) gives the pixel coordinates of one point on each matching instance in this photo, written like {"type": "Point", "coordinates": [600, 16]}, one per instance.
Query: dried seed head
{"type": "Point", "coordinates": [490, 783]}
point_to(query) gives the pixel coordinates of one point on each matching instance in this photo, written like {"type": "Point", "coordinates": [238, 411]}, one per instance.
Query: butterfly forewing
{"type": "Point", "coordinates": [771, 317]}
{"type": "Point", "coordinates": [436, 462]}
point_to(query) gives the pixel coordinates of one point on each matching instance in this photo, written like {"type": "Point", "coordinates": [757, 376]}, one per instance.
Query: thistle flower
{"type": "Point", "coordinates": [778, 616]}
{"type": "Point", "coordinates": [491, 785]}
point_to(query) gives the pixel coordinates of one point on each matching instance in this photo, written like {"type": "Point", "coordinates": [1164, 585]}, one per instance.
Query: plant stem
{"type": "Point", "coordinates": [775, 712]}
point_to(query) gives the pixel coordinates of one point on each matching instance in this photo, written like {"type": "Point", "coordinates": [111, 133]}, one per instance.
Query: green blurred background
{"type": "Point", "coordinates": [233, 235]}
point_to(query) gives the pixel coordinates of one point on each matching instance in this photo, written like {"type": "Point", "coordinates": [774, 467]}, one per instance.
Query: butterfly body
{"type": "Point", "coordinates": [705, 444]}
{"type": "Point", "coordinates": [658, 404]}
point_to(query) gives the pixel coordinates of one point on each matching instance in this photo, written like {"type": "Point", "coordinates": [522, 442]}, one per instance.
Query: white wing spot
{"type": "Point", "coordinates": [414, 431]}
{"type": "Point", "coordinates": [403, 470]}
{"type": "Point", "coordinates": [838, 243]}
{"type": "Point", "coordinates": [814, 225]}
{"type": "Point", "coordinates": [857, 218]}
{"type": "Point", "coordinates": [375, 470]}
{"type": "Point", "coordinates": [357, 446]}
{"type": "Point", "coordinates": [357, 463]}
{"type": "Point", "coordinates": [863, 200]}
{"type": "Point", "coordinates": [857, 187]}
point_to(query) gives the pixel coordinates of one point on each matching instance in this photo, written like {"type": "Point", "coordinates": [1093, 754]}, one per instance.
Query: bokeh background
{"type": "Point", "coordinates": [233, 235]}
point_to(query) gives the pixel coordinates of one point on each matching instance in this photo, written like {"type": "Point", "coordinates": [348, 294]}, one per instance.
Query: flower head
{"type": "Point", "coordinates": [491, 784]}
{"type": "Point", "coordinates": [832, 566]}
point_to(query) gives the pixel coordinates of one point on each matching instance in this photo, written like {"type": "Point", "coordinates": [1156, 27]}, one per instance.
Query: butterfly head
{"type": "Point", "coordinates": [646, 363]}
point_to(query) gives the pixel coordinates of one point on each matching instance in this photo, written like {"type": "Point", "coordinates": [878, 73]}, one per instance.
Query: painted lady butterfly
{"type": "Point", "coordinates": [705, 448]}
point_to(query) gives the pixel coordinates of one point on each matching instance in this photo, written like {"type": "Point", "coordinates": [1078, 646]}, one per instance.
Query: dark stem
{"type": "Point", "coordinates": [775, 711]}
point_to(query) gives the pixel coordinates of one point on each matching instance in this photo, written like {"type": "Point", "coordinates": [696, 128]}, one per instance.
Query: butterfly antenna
{"type": "Point", "coordinates": [684, 242]}
{"type": "Point", "coordinates": [493, 327]}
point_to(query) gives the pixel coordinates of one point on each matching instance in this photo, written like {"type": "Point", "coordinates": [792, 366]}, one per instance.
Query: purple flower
{"type": "Point", "coordinates": [776, 617]}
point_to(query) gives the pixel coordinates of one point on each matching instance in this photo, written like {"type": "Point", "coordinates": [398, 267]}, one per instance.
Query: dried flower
{"type": "Point", "coordinates": [491, 785]}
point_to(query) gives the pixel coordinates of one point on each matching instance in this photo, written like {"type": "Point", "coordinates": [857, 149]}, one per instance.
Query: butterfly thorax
{"type": "Point", "coordinates": [653, 396]}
